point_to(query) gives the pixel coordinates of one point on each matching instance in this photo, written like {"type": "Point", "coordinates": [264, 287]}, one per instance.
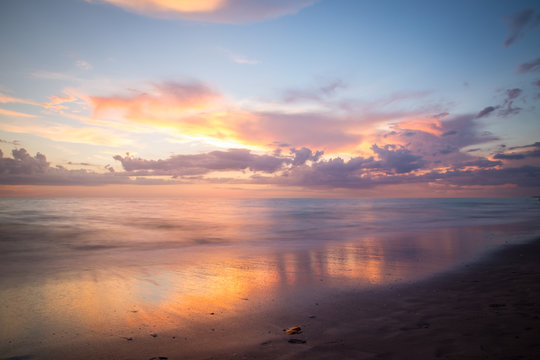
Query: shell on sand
{"type": "Point", "coordinates": [293, 330]}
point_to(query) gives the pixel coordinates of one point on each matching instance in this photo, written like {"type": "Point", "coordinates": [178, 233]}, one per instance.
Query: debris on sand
{"type": "Point", "coordinates": [293, 330]}
{"type": "Point", "coordinates": [153, 335]}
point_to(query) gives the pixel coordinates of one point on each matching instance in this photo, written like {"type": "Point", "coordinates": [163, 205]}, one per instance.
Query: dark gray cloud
{"type": "Point", "coordinates": [534, 145]}
{"type": "Point", "coordinates": [532, 66]}
{"type": "Point", "coordinates": [486, 111]}
{"type": "Point", "coordinates": [480, 163]}
{"type": "Point", "coordinates": [24, 169]}
{"type": "Point", "coordinates": [397, 158]}
{"type": "Point", "coordinates": [532, 153]}
{"type": "Point", "coordinates": [304, 154]}
{"type": "Point", "coordinates": [512, 94]}
{"type": "Point", "coordinates": [230, 160]}
{"type": "Point", "coordinates": [364, 173]}
{"type": "Point", "coordinates": [395, 165]}
{"type": "Point", "coordinates": [509, 156]}
{"type": "Point", "coordinates": [525, 176]}
{"type": "Point", "coordinates": [517, 25]}
{"type": "Point", "coordinates": [507, 108]}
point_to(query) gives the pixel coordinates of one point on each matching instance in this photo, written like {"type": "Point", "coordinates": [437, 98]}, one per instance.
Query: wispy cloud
{"type": "Point", "coordinates": [82, 64]}
{"type": "Point", "coordinates": [12, 113]}
{"type": "Point", "coordinates": [318, 93]}
{"type": "Point", "coordinates": [5, 99]}
{"type": "Point", "coordinates": [220, 11]}
{"type": "Point", "coordinates": [238, 58]}
{"type": "Point", "coordinates": [519, 23]}
{"type": "Point", "coordinates": [506, 108]}
{"type": "Point", "coordinates": [57, 102]}
{"type": "Point", "coordinates": [532, 66]}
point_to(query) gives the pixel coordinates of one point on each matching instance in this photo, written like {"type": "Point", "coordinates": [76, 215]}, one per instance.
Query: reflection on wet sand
{"type": "Point", "coordinates": [137, 301]}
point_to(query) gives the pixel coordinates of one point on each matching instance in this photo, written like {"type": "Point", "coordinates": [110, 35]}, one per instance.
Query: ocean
{"type": "Point", "coordinates": [74, 269]}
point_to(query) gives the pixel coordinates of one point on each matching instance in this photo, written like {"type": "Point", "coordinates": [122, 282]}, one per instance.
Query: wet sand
{"type": "Point", "coordinates": [489, 309]}
{"type": "Point", "coordinates": [486, 310]}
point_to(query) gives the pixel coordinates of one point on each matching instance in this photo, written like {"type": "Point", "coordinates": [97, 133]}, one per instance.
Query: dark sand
{"type": "Point", "coordinates": [486, 310]}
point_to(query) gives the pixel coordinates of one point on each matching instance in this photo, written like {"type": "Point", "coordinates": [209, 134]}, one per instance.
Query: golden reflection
{"type": "Point", "coordinates": [221, 284]}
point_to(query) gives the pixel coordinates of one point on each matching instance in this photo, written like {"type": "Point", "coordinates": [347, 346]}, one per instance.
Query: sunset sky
{"type": "Point", "coordinates": [287, 98]}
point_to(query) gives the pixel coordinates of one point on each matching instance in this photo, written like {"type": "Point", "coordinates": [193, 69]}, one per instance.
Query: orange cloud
{"type": "Point", "coordinates": [430, 126]}
{"type": "Point", "coordinates": [57, 102]}
{"type": "Point", "coordinates": [195, 110]}
{"type": "Point", "coordinates": [180, 6]}
{"type": "Point", "coordinates": [221, 11]}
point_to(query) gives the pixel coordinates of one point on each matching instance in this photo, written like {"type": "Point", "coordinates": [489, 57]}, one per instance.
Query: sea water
{"type": "Point", "coordinates": [92, 268]}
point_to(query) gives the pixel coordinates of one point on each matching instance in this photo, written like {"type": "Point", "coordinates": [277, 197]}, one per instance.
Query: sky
{"type": "Point", "coordinates": [269, 98]}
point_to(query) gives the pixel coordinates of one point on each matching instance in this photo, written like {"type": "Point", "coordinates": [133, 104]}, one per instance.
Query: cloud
{"type": "Point", "coordinates": [390, 165]}
{"type": "Point", "coordinates": [397, 158]}
{"type": "Point", "coordinates": [509, 156]}
{"type": "Point", "coordinates": [532, 66]}
{"type": "Point", "coordinates": [4, 99]}
{"type": "Point", "coordinates": [220, 11]}
{"type": "Point", "coordinates": [194, 109]}
{"type": "Point", "coordinates": [532, 153]}
{"type": "Point", "coordinates": [517, 25]}
{"type": "Point", "coordinates": [57, 102]}
{"type": "Point", "coordinates": [319, 93]}
{"type": "Point", "coordinates": [12, 113]}
{"type": "Point", "coordinates": [81, 64]}
{"type": "Point", "coordinates": [167, 100]}
{"type": "Point", "coordinates": [534, 145]}
{"type": "Point", "coordinates": [181, 165]}
{"type": "Point", "coordinates": [486, 111]}
{"type": "Point", "coordinates": [239, 59]}
{"type": "Point", "coordinates": [24, 169]}
{"type": "Point", "coordinates": [304, 154]}
{"type": "Point", "coordinates": [438, 142]}
{"type": "Point", "coordinates": [14, 142]}
{"type": "Point", "coordinates": [507, 107]}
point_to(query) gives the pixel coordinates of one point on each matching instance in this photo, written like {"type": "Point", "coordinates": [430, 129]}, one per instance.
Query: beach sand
{"type": "Point", "coordinates": [486, 310]}
{"type": "Point", "coordinates": [489, 309]}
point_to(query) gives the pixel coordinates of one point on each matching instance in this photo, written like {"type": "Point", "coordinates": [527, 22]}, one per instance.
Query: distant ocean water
{"type": "Point", "coordinates": [81, 265]}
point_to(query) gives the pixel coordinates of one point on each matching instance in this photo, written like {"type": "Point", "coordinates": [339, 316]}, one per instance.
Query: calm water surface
{"type": "Point", "coordinates": [112, 268]}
